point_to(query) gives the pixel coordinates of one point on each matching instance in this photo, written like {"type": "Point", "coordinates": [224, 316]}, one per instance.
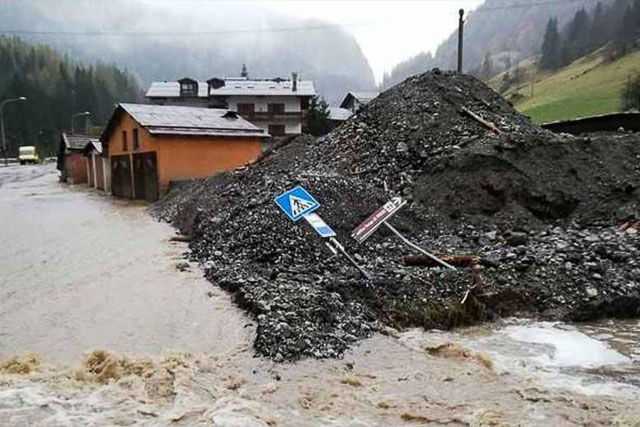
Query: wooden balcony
{"type": "Point", "coordinates": [264, 116]}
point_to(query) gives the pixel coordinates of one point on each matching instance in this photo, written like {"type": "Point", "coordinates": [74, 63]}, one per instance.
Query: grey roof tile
{"type": "Point", "coordinates": [163, 119]}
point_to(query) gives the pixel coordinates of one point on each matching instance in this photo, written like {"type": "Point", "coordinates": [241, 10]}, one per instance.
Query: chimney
{"type": "Point", "coordinates": [294, 78]}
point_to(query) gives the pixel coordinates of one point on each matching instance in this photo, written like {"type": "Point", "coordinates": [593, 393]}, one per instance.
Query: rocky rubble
{"type": "Point", "coordinates": [541, 211]}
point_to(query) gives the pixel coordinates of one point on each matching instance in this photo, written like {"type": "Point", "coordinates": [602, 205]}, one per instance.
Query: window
{"type": "Point", "coordinates": [136, 142]}
{"type": "Point", "coordinates": [124, 140]}
{"type": "Point", "coordinates": [246, 108]}
{"type": "Point", "coordinates": [275, 108]}
{"type": "Point", "coordinates": [276, 130]}
{"type": "Point", "coordinates": [188, 87]}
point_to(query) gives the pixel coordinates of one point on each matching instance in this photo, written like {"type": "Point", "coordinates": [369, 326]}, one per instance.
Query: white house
{"type": "Point", "coordinates": [277, 106]}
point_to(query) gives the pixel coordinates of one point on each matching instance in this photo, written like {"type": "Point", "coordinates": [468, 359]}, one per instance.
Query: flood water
{"type": "Point", "coordinates": [82, 271]}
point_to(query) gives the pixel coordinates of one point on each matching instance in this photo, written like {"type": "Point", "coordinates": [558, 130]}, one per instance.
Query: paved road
{"type": "Point", "coordinates": [79, 270]}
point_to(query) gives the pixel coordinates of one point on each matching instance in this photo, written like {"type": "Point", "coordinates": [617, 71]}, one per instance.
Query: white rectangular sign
{"type": "Point", "coordinates": [319, 225]}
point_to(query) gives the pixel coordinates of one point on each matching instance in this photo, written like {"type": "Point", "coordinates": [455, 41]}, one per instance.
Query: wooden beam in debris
{"type": "Point", "coordinates": [491, 126]}
{"type": "Point", "coordinates": [455, 260]}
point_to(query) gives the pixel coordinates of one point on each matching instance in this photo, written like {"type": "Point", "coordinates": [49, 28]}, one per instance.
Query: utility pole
{"type": "Point", "coordinates": [4, 142]}
{"type": "Point", "coordinates": [460, 38]}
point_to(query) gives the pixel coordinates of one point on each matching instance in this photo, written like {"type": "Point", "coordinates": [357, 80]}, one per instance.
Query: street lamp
{"type": "Point", "coordinates": [4, 143]}
{"type": "Point", "coordinates": [84, 113]}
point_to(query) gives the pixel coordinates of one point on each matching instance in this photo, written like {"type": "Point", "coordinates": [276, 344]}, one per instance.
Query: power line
{"type": "Point", "coordinates": [182, 33]}
{"type": "Point", "coordinates": [217, 32]}
{"type": "Point", "coordinates": [525, 5]}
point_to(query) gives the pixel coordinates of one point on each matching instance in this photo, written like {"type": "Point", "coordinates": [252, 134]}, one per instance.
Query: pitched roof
{"type": "Point", "coordinates": [236, 86]}
{"type": "Point", "coordinates": [77, 142]}
{"type": "Point", "coordinates": [174, 120]}
{"type": "Point", "coordinates": [362, 97]}
{"type": "Point", "coordinates": [339, 114]}
{"type": "Point", "coordinates": [93, 145]}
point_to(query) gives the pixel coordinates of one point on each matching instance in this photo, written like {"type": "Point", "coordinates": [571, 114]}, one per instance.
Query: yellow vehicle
{"type": "Point", "coordinates": [28, 154]}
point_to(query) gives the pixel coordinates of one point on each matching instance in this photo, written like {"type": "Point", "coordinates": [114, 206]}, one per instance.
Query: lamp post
{"type": "Point", "coordinates": [4, 143]}
{"type": "Point", "coordinates": [84, 113]}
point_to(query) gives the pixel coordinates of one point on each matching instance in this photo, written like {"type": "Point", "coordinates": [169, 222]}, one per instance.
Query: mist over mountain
{"type": "Point", "coordinates": [171, 40]}
{"type": "Point", "coordinates": [510, 30]}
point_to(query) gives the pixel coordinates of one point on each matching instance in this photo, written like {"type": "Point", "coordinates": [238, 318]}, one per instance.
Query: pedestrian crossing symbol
{"type": "Point", "coordinates": [297, 203]}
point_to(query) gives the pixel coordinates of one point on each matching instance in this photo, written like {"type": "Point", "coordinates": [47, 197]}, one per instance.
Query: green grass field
{"type": "Point", "coordinates": [586, 87]}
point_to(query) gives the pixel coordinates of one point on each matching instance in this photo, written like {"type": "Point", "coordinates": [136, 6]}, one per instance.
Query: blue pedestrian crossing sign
{"type": "Point", "coordinates": [297, 203]}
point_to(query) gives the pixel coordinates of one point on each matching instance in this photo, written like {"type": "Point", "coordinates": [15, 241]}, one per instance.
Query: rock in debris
{"type": "Point", "coordinates": [516, 238]}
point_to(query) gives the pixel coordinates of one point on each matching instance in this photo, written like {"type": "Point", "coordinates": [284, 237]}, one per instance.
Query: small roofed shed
{"type": "Point", "coordinates": [97, 166]}
{"type": "Point", "coordinates": [354, 100]}
{"type": "Point", "coordinates": [337, 114]}
{"type": "Point", "coordinates": [149, 146]}
{"type": "Point", "coordinates": [71, 162]}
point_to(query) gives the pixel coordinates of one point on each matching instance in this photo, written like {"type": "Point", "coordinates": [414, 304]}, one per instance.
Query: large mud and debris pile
{"type": "Point", "coordinates": [541, 212]}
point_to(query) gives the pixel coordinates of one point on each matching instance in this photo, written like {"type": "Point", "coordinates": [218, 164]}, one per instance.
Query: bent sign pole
{"type": "Point", "coordinates": [382, 216]}
{"type": "Point", "coordinates": [298, 203]}
{"type": "Point", "coordinates": [418, 248]}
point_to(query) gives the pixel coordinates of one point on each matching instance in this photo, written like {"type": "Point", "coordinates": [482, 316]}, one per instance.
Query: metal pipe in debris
{"type": "Point", "coordinates": [418, 248]}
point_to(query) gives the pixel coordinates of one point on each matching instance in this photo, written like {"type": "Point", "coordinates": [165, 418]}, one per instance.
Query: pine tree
{"type": "Point", "coordinates": [631, 94]}
{"type": "Point", "coordinates": [599, 32]}
{"type": "Point", "coordinates": [244, 73]}
{"type": "Point", "coordinates": [551, 55]}
{"type": "Point", "coordinates": [318, 117]}
{"type": "Point", "coordinates": [625, 36]}
{"type": "Point", "coordinates": [636, 14]}
{"type": "Point", "coordinates": [577, 39]}
{"type": "Point", "coordinates": [487, 67]}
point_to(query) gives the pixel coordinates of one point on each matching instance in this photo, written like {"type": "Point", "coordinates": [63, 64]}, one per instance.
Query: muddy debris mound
{"type": "Point", "coordinates": [541, 212]}
{"type": "Point", "coordinates": [427, 139]}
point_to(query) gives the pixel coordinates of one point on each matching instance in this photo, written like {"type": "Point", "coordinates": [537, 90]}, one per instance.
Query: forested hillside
{"type": "Point", "coordinates": [617, 24]}
{"type": "Point", "coordinates": [506, 30]}
{"type": "Point", "coordinates": [585, 68]}
{"type": "Point", "coordinates": [55, 88]}
{"type": "Point", "coordinates": [198, 39]}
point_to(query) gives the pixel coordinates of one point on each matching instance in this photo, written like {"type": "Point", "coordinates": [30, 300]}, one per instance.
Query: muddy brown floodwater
{"type": "Point", "coordinates": [80, 271]}
{"type": "Point", "coordinates": [84, 274]}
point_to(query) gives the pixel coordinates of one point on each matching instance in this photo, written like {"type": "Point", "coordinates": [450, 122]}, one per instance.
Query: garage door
{"type": "Point", "coordinates": [121, 177]}
{"type": "Point", "coordinates": [145, 175]}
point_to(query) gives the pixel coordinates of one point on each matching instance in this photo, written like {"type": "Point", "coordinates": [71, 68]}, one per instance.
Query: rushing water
{"type": "Point", "coordinates": [81, 271]}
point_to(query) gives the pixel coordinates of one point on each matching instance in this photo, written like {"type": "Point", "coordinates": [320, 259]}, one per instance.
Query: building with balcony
{"type": "Point", "coordinates": [278, 106]}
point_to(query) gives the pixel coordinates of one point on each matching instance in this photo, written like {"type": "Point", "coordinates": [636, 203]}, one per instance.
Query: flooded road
{"type": "Point", "coordinates": [82, 271]}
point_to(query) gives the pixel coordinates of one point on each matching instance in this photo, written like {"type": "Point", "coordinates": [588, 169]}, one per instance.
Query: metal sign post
{"type": "Point", "coordinates": [418, 248]}
{"type": "Point", "coordinates": [336, 247]}
{"type": "Point", "coordinates": [371, 224]}
{"type": "Point", "coordinates": [382, 216]}
{"type": "Point", "coordinates": [298, 203]}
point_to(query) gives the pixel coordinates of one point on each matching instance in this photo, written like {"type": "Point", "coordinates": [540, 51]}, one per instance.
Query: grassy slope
{"type": "Point", "coordinates": [586, 87]}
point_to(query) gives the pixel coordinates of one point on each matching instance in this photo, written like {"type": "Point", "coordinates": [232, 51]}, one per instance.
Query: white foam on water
{"type": "Point", "coordinates": [570, 347]}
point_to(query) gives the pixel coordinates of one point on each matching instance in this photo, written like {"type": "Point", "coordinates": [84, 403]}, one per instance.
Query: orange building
{"type": "Point", "coordinates": [151, 145]}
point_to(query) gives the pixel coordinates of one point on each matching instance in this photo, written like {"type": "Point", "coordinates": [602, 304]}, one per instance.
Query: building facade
{"type": "Point", "coordinates": [98, 171]}
{"type": "Point", "coordinates": [278, 106]}
{"type": "Point", "coordinates": [149, 146]}
{"type": "Point", "coordinates": [71, 161]}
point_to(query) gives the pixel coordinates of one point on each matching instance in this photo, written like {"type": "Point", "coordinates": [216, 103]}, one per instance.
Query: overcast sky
{"type": "Point", "coordinates": [388, 31]}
